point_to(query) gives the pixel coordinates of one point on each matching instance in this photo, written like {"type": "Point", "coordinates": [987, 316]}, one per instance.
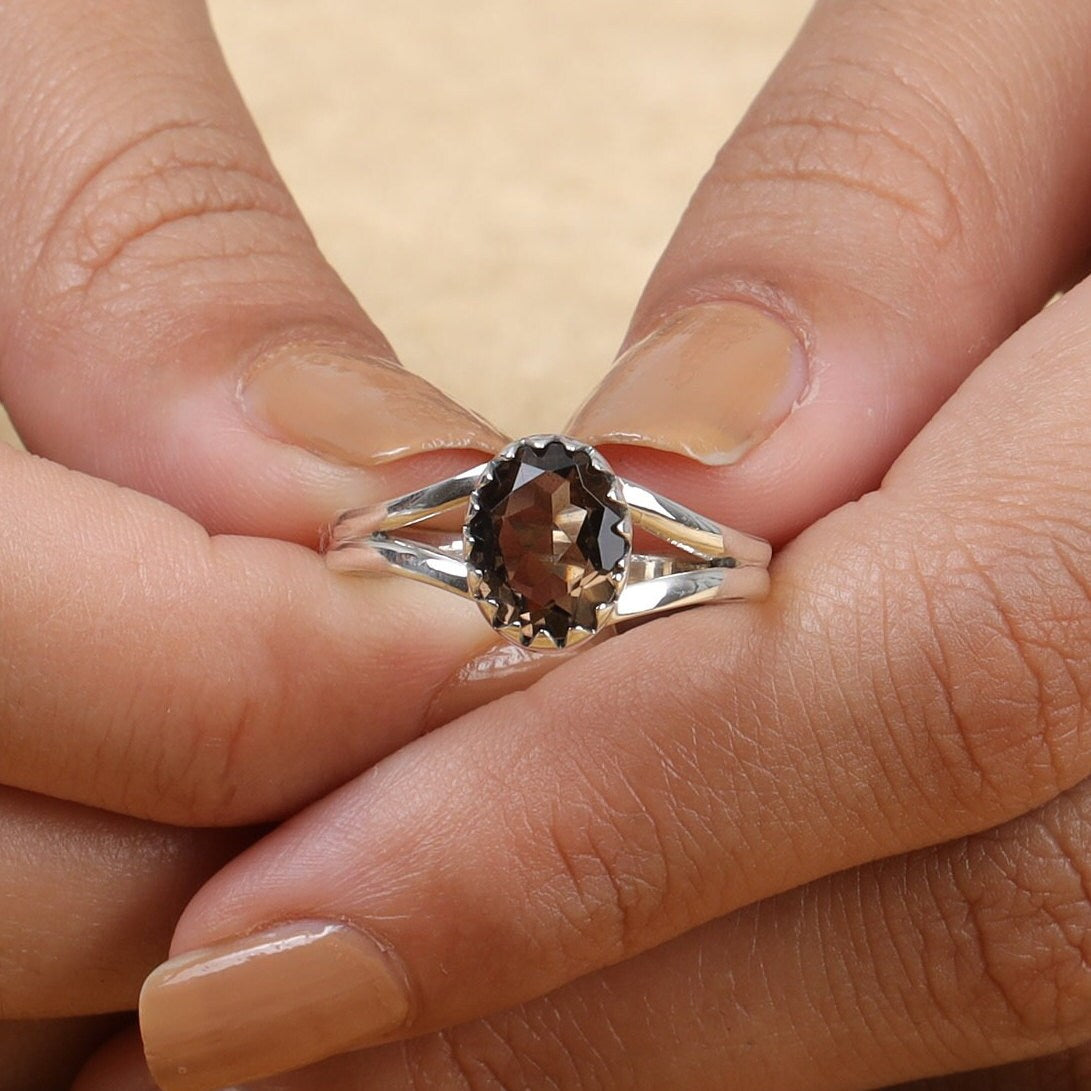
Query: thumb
{"type": "Point", "coordinates": [861, 242]}
{"type": "Point", "coordinates": [167, 319]}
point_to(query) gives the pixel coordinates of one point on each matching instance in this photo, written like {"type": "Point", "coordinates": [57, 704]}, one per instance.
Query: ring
{"type": "Point", "coordinates": [546, 546]}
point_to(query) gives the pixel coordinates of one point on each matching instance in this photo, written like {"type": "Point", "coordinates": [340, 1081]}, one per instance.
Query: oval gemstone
{"type": "Point", "coordinates": [546, 542]}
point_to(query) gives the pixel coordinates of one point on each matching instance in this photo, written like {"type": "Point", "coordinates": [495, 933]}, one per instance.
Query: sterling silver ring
{"type": "Point", "coordinates": [546, 546]}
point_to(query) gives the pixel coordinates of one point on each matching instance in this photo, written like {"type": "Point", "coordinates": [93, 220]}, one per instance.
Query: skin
{"type": "Point", "coordinates": [847, 851]}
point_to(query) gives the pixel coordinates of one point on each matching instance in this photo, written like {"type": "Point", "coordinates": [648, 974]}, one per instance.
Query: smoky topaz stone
{"type": "Point", "coordinates": [547, 541]}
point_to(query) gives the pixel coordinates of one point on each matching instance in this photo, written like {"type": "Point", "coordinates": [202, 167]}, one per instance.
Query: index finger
{"type": "Point", "coordinates": [148, 668]}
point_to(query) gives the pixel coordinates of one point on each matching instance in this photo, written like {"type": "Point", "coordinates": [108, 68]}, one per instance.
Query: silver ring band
{"type": "Point", "coordinates": [546, 545]}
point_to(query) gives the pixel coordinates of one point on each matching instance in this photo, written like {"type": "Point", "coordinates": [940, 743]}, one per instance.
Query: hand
{"type": "Point", "coordinates": [151, 265]}
{"type": "Point", "coordinates": [885, 762]}
{"type": "Point", "coordinates": [88, 901]}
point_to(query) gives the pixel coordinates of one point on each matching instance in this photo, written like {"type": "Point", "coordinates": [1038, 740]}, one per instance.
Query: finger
{"type": "Point", "coordinates": [148, 669]}
{"type": "Point", "coordinates": [45, 1055]}
{"type": "Point", "coordinates": [969, 955]}
{"type": "Point", "coordinates": [918, 674]}
{"type": "Point", "coordinates": [876, 224]}
{"type": "Point", "coordinates": [90, 900]}
{"type": "Point", "coordinates": [170, 323]}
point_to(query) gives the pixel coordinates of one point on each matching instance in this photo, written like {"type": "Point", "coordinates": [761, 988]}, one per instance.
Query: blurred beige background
{"type": "Point", "coordinates": [495, 178]}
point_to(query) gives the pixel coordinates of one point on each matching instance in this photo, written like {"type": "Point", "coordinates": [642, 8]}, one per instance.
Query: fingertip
{"type": "Point", "coordinates": [235, 478]}
{"type": "Point", "coordinates": [728, 408]}
{"type": "Point", "coordinates": [711, 382]}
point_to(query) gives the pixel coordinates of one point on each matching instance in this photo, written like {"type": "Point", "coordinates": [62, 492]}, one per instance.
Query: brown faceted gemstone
{"type": "Point", "coordinates": [548, 541]}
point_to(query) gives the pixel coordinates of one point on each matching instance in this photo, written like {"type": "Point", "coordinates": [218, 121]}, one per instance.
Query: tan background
{"type": "Point", "coordinates": [495, 178]}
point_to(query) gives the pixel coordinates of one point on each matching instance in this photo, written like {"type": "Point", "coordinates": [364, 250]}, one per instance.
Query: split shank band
{"type": "Point", "coordinates": [546, 545]}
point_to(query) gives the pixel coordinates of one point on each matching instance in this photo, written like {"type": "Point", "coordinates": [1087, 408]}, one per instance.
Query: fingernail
{"type": "Point", "coordinates": [711, 383]}
{"type": "Point", "coordinates": [267, 1003]}
{"type": "Point", "coordinates": [357, 410]}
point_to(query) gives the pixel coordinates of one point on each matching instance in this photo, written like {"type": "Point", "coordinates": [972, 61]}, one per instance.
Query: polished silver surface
{"type": "Point", "coordinates": [713, 562]}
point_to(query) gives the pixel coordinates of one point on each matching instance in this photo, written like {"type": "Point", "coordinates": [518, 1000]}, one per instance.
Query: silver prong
{"type": "Point", "coordinates": [544, 641]}
{"type": "Point", "coordinates": [604, 615]}
{"type": "Point", "coordinates": [578, 636]}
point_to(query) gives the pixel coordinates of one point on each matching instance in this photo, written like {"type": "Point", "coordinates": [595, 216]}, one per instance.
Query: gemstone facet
{"type": "Point", "coordinates": [547, 541]}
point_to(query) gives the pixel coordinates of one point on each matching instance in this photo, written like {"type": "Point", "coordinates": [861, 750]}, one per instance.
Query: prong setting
{"type": "Point", "coordinates": [558, 500]}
